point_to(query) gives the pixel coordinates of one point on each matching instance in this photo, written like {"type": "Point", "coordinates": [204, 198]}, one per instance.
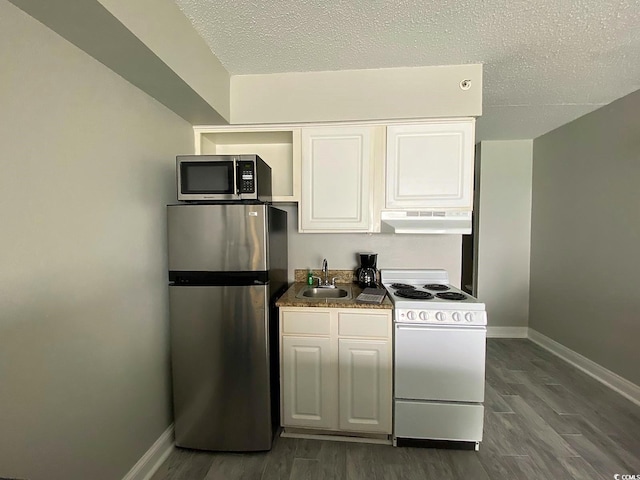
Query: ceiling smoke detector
{"type": "Point", "coordinates": [465, 84]}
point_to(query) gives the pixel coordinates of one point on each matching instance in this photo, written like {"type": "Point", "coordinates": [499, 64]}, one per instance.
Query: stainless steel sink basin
{"type": "Point", "coordinates": [311, 292]}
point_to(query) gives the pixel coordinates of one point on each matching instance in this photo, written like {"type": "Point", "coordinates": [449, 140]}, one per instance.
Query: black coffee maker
{"type": "Point", "coordinates": [367, 274]}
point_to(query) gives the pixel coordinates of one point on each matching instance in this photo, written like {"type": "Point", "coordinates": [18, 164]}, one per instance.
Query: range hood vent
{"type": "Point", "coordinates": [428, 221]}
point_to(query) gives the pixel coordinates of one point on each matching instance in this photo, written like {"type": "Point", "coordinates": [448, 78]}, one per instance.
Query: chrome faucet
{"type": "Point", "coordinates": [325, 271]}
{"type": "Point", "coordinates": [325, 283]}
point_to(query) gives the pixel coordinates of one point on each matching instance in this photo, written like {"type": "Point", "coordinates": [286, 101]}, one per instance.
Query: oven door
{"type": "Point", "coordinates": [440, 363]}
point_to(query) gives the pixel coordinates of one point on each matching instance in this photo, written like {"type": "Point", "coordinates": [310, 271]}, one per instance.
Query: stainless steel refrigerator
{"type": "Point", "coordinates": [227, 265]}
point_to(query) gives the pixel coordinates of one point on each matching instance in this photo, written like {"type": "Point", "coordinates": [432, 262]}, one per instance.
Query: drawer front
{"type": "Point", "coordinates": [357, 323]}
{"type": "Point", "coordinates": [306, 323]}
{"type": "Point", "coordinates": [438, 421]}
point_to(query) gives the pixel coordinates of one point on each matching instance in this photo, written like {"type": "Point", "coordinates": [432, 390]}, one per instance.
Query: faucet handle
{"type": "Point", "coordinates": [333, 281]}
{"type": "Point", "coordinates": [319, 280]}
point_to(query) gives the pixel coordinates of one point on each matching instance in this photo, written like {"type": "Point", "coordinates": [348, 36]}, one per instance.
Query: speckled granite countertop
{"type": "Point", "coordinates": [343, 278]}
{"type": "Point", "coordinates": [288, 299]}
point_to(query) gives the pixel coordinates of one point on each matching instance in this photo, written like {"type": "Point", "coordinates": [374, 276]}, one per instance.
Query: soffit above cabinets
{"type": "Point", "coordinates": [383, 95]}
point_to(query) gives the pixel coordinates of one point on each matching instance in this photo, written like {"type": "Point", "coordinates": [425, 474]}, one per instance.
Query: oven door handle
{"type": "Point", "coordinates": [440, 327]}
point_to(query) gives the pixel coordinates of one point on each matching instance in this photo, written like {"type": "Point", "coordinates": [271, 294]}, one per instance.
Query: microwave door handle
{"type": "Point", "coordinates": [235, 177]}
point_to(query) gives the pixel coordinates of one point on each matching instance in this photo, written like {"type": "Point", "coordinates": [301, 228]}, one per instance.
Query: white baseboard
{"type": "Point", "coordinates": [612, 380]}
{"type": "Point", "coordinates": [153, 458]}
{"type": "Point", "coordinates": [507, 332]}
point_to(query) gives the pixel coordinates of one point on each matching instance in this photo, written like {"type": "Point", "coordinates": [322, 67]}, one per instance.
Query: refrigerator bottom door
{"type": "Point", "coordinates": [439, 421]}
{"type": "Point", "coordinates": [220, 367]}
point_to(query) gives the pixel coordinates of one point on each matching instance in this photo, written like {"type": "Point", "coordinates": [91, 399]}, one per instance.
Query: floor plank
{"type": "Point", "coordinates": [185, 464]}
{"type": "Point", "coordinates": [538, 432]}
{"type": "Point", "coordinates": [305, 469]}
{"type": "Point", "coordinates": [280, 459]}
{"type": "Point", "coordinates": [600, 461]}
{"type": "Point", "coordinates": [535, 398]}
{"type": "Point", "coordinates": [496, 466]}
{"type": "Point", "coordinates": [241, 466]}
{"type": "Point", "coordinates": [464, 464]}
{"type": "Point", "coordinates": [331, 456]}
{"type": "Point", "coordinates": [360, 463]}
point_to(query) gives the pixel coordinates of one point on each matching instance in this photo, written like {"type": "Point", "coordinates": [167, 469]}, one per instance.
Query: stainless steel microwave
{"type": "Point", "coordinates": [207, 178]}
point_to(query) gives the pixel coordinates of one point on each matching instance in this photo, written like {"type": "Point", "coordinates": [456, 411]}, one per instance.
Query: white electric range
{"type": "Point", "coordinates": [439, 353]}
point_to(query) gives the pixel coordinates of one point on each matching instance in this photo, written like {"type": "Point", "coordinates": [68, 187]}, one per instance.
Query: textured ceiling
{"type": "Point", "coordinates": [545, 62]}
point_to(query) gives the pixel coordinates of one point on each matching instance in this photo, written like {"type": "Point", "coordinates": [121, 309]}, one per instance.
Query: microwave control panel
{"type": "Point", "coordinates": [246, 176]}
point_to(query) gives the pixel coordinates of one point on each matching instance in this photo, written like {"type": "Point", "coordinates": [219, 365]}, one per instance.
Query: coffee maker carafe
{"type": "Point", "coordinates": [367, 274]}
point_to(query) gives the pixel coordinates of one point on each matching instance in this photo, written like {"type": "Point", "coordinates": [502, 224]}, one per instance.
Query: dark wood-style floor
{"type": "Point", "coordinates": [544, 419]}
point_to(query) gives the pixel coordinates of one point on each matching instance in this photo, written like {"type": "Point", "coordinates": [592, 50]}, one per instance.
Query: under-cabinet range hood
{"type": "Point", "coordinates": [425, 221]}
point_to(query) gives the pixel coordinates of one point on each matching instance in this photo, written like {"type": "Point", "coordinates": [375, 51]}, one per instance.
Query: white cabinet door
{"type": "Point", "coordinates": [336, 179]}
{"type": "Point", "coordinates": [365, 385]}
{"type": "Point", "coordinates": [430, 165]}
{"type": "Point", "coordinates": [309, 383]}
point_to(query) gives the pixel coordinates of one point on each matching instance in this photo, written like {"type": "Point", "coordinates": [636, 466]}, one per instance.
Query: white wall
{"type": "Point", "coordinates": [87, 167]}
{"type": "Point", "coordinates": [585, 235]}
{"type": "Point", "coordinates": [503, 230]}
{"type": "Point", "coordinates": [306, 250]}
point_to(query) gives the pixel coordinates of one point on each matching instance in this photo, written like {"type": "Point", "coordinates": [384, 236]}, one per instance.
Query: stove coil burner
{"type": "Point", "coordinates": [402, 286]}
{"type": "Point", "coordinates": [437, 287]}
{"type": "Point", "coordinates": [451, 296]}
{"type": "Point", "coordinates": [414, 294]}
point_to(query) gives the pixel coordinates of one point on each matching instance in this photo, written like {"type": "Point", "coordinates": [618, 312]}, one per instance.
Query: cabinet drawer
{"type": "Point", "coordinates": [306, 323]}
{"type": "Point", "coordinates": [439, 421]}
{"type": "Point", "coordinates": [363, 324]}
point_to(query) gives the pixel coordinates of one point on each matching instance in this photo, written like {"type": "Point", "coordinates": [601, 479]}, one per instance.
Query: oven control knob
{"type": "Point", "coordinates": [440, 316]}
{"type": "Point", "coordinates": [456, 316]}
{"type": "Point", "coordinates": [411, 315]}
{"type": "Point", "coordinates": [468, 317]}
{"type": "Point", "coordinates": [424, 316]}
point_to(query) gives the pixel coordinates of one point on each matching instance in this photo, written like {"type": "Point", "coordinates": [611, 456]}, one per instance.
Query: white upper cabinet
{"type": "Point", "coordinates": [278, 146]}
{"type": "Point", "coordinates": [347, 177]}
{"type": "Point", "coordinates": [338, 177]}
{"type": "Point", "coordinates": [430, 165]}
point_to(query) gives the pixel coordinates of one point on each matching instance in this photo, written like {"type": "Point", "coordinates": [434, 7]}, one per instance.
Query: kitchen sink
{"type": "Point", "coordinates": [314, 292]}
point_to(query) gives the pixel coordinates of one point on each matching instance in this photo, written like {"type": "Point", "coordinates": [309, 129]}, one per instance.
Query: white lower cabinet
{"type": "Point", "coordinates": [338, 380]}
{"type": "Point", "coordinates": [309, 398]}
{"type": "Point", "coordinates": [365, 385]}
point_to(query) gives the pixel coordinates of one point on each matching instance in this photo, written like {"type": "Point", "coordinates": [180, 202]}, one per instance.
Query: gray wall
{"type": "Point", "coordinates": [306, 250]}
{"type": "Point", "coordinates": [585, 236]}
{"type": "Point", "coordinates": [504, 231]}
{"type": "Point", "coordinates": [87, 167]}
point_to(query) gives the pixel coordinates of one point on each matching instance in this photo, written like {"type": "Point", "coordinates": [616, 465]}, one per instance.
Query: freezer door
{"type": "Point", "coordinates": [217, 238]}
{"type": "Point", "coordinates": [220, 365]}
